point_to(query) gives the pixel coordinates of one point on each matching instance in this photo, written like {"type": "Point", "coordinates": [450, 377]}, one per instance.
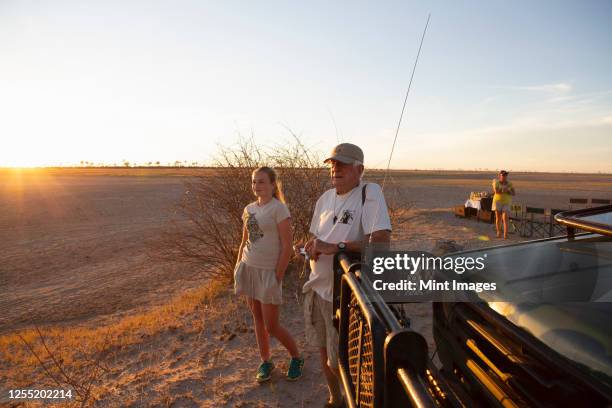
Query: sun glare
{"type": "Point", "coordinates": [21, 164]}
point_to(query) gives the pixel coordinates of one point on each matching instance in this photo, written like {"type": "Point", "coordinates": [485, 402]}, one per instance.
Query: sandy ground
{"type": "Point", "coordinates": [73, 251]}
{"type": "Point", "coordinates": [75, 247]}
{"type": "Point", "coordinates": [214, 367]}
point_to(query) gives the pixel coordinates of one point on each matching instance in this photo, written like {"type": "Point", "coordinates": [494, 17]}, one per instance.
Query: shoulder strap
{"type": "Point", "coordinates": [363, 194]}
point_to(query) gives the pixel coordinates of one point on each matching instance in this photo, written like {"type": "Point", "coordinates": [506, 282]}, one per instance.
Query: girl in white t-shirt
{"type": "Point", "coordinates": [262, 260]}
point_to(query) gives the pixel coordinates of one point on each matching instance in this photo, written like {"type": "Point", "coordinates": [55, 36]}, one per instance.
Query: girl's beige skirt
{"type": "Point", "coordinates": [258, 283]}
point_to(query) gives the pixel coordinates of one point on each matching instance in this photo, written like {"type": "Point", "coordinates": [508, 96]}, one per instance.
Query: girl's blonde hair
{"type": "Point", "coordinates": [278, 191]}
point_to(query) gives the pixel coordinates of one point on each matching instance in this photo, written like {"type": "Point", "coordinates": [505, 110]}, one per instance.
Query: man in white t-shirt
{"type": "Point", "coordinates": [344, 218]}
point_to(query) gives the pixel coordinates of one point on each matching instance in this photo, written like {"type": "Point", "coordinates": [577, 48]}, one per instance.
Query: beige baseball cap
{"type": "Point", "coordinates": [347, 153]}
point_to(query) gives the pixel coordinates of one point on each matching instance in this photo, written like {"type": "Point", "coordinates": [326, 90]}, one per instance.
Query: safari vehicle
{"type": "Point", "coordinates": [549, 343]}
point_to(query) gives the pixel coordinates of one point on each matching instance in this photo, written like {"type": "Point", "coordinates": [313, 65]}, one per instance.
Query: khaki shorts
{"type": "Point", "coordinates": [258, 283]}
{"type": "Point", "coordinates": [320, 331]}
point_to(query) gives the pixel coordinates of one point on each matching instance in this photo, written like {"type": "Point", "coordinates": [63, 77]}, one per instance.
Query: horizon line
{"type": "Point", "coordinates": [117, 167]}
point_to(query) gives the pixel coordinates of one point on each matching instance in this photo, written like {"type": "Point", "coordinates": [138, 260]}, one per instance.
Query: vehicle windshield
{"type": "Point", "coordinates": [571, 282]}
{"type": "Point", "coordinates": [601, 218]}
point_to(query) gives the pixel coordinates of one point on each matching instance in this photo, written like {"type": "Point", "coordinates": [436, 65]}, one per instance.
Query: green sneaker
{"type": "Point", "coordinates": [295, 368]}
{"type": "Point", "coordinates": [264, 372]}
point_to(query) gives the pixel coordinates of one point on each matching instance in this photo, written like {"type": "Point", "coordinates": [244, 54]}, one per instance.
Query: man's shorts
{"type": "Point", "coordinates": [320, 331]}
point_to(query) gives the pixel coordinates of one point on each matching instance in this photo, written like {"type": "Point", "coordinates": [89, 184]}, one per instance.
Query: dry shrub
{"type": "Point", "coordinates": [207, 227]}
{"type": "Point", "coordinates": [79, 379]}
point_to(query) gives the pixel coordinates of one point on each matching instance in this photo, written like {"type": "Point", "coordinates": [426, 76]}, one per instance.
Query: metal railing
{"type": "Point", "coordinates": [381, 363]}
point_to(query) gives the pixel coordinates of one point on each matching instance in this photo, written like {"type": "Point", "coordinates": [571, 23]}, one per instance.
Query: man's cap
{"type": "Point", "coordinates": [503, 173]}
{"type": "Point", "coordinates": [347, 153]}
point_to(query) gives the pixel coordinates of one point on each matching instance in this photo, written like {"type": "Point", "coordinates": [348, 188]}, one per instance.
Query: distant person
{"type": "Point", "coordinates": [504, 190]}
{"type": "Point", "coordinates": [263, 257]}
{"type": "Point", "coordinates": [344, 218]}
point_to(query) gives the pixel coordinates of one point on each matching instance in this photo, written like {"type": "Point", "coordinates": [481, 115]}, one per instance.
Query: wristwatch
{"type": "Point", "coordinates": [341, 246]}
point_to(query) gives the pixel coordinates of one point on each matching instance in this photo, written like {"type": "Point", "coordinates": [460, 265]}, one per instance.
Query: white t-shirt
{"type": "Point", "coordinates": [353, 222]}
{"type": "Point", "coordinates": [262, 248]}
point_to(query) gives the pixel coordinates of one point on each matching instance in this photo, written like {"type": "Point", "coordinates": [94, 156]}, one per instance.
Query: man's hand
{"type": "Point", "coordinates": [308, 245]}
{"type": "Point", "coordinates": [319, 247]}
{"type": "Point", "coordinates": [296, 248]}
{"type": "Point", "coordinates": [300, 244]}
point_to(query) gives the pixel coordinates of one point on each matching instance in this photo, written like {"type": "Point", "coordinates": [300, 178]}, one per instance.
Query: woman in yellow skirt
{"type": "Point", "coordinates": [504, 190]}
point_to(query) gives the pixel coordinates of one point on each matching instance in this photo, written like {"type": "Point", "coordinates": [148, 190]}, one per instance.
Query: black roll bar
{"type": "Point", "coordinates": [381, 363]}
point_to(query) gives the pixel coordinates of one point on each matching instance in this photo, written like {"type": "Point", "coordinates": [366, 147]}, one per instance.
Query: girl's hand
{"type": "Point", "coordinates": [280, 276]}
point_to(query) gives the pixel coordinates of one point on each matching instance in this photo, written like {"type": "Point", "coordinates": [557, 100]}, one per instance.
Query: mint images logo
{"type": "Point", "coordinates": [411, 264]}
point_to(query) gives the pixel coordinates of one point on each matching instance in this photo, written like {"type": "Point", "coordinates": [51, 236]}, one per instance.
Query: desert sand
{"type": "Point", "coordinates": [75, 253]}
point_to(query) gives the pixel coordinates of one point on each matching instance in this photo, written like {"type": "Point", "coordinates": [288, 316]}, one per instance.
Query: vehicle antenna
{"type": "Point", "coordinates": [399, 123]}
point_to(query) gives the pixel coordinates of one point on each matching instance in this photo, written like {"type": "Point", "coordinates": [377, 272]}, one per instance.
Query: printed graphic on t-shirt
{"type": "Point", "coordinates": [347, 217]}
{"type": "Point", "coordinates": [253, 228]}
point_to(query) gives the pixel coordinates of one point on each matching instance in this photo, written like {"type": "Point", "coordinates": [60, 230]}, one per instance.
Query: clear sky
{"type": "Point", "coordinates": [521, 85]}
